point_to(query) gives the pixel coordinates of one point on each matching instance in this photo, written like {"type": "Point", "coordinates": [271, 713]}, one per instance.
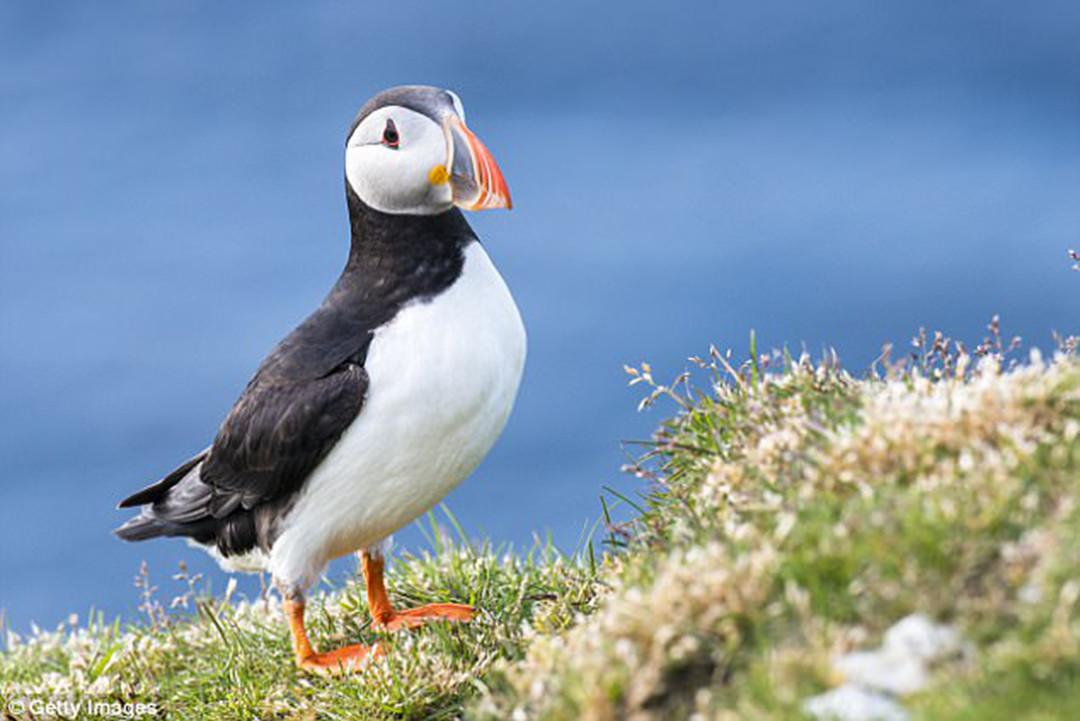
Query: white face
{"type": "Point", "coordinates": [389, 161]}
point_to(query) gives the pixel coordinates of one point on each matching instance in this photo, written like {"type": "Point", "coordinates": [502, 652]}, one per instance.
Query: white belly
{"type": "Point", "coordinates": [443, 377]}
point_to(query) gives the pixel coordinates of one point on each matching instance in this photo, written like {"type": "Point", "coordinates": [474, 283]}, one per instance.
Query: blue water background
{"type": "Point", "coordinates": [831, 174]}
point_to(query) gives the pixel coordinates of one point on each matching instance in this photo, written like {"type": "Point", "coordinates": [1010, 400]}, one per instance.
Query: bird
{"type": "Point", "coordinates": [380, 402]}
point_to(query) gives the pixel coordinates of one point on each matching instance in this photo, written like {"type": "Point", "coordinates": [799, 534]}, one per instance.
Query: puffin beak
{"type": "Point", "coordinates": [475, 180]}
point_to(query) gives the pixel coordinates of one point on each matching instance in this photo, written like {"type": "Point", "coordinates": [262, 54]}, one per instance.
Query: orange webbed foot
{"type": "Point", "coordinates": [342, 661]}
{"type": "Point", "coordinates": [416, 617]}
{"type": "Point", "coordinates": [384, 613]}
{"type": "Point", "coordinates": [349, 659]}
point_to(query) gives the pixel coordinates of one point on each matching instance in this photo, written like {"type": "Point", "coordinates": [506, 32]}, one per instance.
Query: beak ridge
{"type": "Point", "coordinates": [475, 178]}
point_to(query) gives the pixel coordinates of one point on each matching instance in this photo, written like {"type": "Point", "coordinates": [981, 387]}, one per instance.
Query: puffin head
{"type": "Point", "coordinates": [409, 152]}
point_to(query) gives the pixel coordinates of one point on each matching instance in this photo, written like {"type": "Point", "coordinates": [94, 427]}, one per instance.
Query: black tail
{"type": "Point", "coordinates": [149, 524]}
{"type": "Point", "coordinates": [141, 528]}
{"type": "Point", "coordinates": [158, 490]}
{"type": "Point", "coordinates": [180, 505]}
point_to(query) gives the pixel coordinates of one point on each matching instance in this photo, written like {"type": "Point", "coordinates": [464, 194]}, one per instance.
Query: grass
{"type": "Point", "coordinates": [793, 513]}
{"type": "Point", "coordinates": [233, 660]}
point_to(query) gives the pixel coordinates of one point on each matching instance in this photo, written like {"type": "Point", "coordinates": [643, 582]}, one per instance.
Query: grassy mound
{"type": "Point", "coordinates": [800, 514]}
{"type": "Point", "coordinates": [795, 515]}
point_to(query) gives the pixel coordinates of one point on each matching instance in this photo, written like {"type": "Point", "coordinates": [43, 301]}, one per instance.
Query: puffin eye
{"type": "Point", "coordinates": [390, 136]}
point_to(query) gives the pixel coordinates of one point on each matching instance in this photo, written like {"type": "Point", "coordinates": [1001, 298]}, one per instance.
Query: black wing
{"type": "Point", "coordinates": [276, 434]}
{"type": "Point", "coordinates": [231, 494]}
{"type": "Point", "coordinates": [302, 398]}
{"type": "Point", "coordinates": [268, 444]}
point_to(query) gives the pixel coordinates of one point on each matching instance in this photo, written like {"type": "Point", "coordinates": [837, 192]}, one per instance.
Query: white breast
{"type": "Point", "coordinates": [443, 377]}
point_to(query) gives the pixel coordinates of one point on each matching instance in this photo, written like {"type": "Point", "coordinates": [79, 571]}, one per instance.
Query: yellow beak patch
{"type": "Point", "coordinates": [438, 175]}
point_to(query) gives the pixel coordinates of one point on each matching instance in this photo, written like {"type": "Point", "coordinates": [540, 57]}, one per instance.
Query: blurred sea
{"type": "Point", "coordinates": [171, 203]}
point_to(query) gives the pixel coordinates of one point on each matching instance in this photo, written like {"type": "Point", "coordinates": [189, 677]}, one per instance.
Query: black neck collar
{"type": "Point", "coordinates": [377, 234]}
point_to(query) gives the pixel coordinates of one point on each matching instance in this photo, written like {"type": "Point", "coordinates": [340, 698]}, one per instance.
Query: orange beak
{"type": "Point", "coordinates": [475, 179]}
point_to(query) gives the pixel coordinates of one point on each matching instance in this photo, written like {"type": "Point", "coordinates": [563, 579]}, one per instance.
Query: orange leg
{"type": "Point", "coordinates": [385, 615]}
{"type": "Point", "coordinates": [332, 663]}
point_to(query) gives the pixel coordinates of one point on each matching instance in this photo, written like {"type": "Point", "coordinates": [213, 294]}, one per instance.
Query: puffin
{"type": "Point", "coordinates": [380, 402]}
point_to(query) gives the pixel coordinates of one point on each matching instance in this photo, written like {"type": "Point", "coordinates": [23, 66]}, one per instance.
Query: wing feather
{"type": "Point", "coordinates": [276, 434]}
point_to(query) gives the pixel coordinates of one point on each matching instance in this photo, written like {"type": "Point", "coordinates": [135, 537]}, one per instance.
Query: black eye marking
{"type": "Point", "coordinates": [390, 136]}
